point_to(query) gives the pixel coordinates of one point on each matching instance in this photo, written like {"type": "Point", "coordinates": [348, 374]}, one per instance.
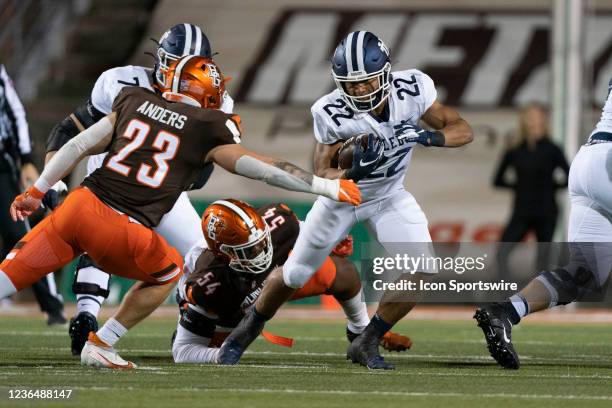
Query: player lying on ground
{"type": "Point", "coordinates": [386, 107]}
{"type": "Point", "coordinates": [156, 147]}
{"type": "Point", "coordinates": [590, 237]}
{"type": "Point", "coordinates": [180, 226]}
{"type": "Point", "coordinates": [223, 281]}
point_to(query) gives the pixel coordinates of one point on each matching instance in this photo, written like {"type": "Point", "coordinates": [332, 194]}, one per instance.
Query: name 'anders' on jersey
{"type": "Point", "coordinates": [162, 115]}
{"type": "Point", "coordinates": [412, 93]}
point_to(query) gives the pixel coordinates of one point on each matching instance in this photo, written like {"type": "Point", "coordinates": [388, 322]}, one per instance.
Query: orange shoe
{"type": "Point", "coordinates": [395, 342]}
{"type": "Point", "coordinates": [97, 353]}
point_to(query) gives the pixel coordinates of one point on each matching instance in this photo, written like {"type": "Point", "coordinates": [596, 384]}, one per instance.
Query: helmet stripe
{"type": "Point", "coordinates": [248, 221]}
{"type": "Point", "coordinates": [348, 54]}
{"type": "Point", "coordinates": [176, 80]}
{"type": "Point", "coordinates": [187, 44]}
{"type": "Point", "coordinates": [360, 65]}
{"type": "Point", "coordinates": [198, 41]}
{"type": "Point", "coordinates": [354, 51]}
{"type": "Point", "coordinates": [193, 39]}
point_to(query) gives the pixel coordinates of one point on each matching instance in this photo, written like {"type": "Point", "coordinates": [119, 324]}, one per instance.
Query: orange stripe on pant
{"type": "Point", "coordinates": [83, 223]}
{"type": "Point", "coordinates": [320, 282]}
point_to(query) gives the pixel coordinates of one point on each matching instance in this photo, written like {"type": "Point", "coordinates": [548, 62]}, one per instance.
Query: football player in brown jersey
{"type": "Point", "coordinates": [156, 145]}
{"type": "Point", "coordinates": [224, 277]}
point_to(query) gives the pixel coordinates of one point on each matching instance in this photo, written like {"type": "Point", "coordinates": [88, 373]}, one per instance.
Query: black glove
{"type": "Point", "coordinates": [365, 160]}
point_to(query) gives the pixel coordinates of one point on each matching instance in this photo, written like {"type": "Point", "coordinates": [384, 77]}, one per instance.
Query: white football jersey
{"type": "Point", "coordinates": [111, 82]}
{"type": "Point", "coordinates": [412, 93]}
{"type": "Point", "coordinates": [605, 122]}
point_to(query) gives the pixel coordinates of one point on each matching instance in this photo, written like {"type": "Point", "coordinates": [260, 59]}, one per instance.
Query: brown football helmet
{"type": "Point", "coordinates": [235, 231]}
{"type": "Point", "coordinates": [196, 81]}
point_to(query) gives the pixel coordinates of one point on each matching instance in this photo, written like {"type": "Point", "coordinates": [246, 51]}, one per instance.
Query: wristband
{"type": "Point", "coordinates": [36, 193]}
{"type": "Point", "coordinates": [432, 138]}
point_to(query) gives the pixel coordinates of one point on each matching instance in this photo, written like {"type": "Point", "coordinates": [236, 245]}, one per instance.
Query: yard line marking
{"type": "Point", "coordinates": [368, 393]}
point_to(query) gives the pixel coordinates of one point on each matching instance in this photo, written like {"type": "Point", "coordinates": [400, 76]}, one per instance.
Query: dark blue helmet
{"type": "Point", "coordinates": [178, 41]}
{"type": "Point", "coordinates": [360, 57]}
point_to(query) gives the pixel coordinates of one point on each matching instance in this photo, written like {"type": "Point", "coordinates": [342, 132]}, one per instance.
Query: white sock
{"type": "Point", "coordinates": [519, 305]}
{"type": "Point", "coordinates": [89, 303]}
{"type": "Point", "coordinates": [356, 313]}
{"type": "Point", "coordinates": [111, 332]}
{"type": "Point", "coordinates": [6, 286]}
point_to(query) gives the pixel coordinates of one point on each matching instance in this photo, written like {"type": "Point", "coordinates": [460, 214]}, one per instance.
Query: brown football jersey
{"type": "Point", "coordinates": [225, 293]}
{"type": "Point", "coordinates": [157, 150]}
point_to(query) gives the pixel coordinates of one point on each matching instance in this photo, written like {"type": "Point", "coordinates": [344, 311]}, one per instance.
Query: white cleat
{"type": "Point", "coordinates": [98, 354]}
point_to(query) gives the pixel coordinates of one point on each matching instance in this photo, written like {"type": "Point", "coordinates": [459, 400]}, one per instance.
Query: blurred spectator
{"type": "Point", "coordinates": [17, 172]}
{"type": "Point", "coordinates": [534, 159]}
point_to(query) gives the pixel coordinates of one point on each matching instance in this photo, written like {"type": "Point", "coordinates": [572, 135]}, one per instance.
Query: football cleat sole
{"type": "Point", "coordinates": [499, 344]}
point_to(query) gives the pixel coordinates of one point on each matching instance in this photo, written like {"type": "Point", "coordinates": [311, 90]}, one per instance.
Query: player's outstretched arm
{"type": "Point", "coordinates": [83, 117]}
{"type": "Point", "coordinates": [452, 129]}
{"type": "Point", "coordinates": [280, 173]}
{"type": "Point", "coordinates": [93, 140]}
{"type": "Point", "coordinates": [324, 161]}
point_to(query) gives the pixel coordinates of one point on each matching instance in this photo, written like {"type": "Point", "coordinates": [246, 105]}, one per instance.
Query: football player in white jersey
{"type": "Point", "coordinates": [386, 108]}
{"type": "Point", "coordinates": [180, 226]}
{"type": "Point", "coordinates": [590, 243]}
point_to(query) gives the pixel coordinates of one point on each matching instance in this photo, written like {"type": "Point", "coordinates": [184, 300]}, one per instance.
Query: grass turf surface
{"type": "Point", "coordinates": [562, 365]}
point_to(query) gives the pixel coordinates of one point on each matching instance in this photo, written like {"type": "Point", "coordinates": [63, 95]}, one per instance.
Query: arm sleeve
{"type": "Point", "coordinates": [72, 152]}
{"type": "Point", "coordinates": [500, 180]}
{"type": "Point", "coordinates": [19, 115]}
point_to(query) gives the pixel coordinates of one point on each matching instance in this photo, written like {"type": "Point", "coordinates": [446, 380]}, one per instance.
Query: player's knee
{"type": "Point", "coordinates": [296, 274]}
{"type": "Point", "coordinates": [565, 285]}
{"type": "Point", "coordinates": [90, 279]}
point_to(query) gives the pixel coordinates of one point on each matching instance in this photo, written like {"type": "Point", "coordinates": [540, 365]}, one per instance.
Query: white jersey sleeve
{"type": "Point", "coordinates": [112, 81]}
{"type": "Point", "coordinates": [416, 84]}
{"type": "Point", "coordinates": [323, 111]}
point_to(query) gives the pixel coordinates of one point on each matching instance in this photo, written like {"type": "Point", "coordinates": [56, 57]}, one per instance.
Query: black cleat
{"type": "Point", "coordinates": [364, 350]}
{"type": "Point", "coordinates": [497, 328]}
{"type": "Point", "coordinates": [79, 328]}
{"type": "Point", "coordinates": [350, 336]}
{"type": "Point", "coordinates": [241, 337]}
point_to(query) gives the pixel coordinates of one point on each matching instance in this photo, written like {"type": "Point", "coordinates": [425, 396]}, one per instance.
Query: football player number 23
{"type": "Point", "coordinates": [165, 142]}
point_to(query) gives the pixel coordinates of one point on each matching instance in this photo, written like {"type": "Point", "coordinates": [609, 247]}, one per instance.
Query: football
{"type": "Point", "coordinates": [346, 151]}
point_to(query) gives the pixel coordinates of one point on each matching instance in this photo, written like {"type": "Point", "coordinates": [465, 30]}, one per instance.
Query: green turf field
{"type": "Point", "coordinates": [563, 365]}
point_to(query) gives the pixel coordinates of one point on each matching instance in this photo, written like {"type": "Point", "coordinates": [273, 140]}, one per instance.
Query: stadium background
{"type": "Point", "coordinates": [486, 58]}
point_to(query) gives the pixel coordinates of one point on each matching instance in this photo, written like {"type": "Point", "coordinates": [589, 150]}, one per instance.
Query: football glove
{"type": "Point", "coordinates": [365, 161]}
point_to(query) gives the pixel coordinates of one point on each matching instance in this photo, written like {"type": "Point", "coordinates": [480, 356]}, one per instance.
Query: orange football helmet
{"type": "Point", "coordinates": [235, 231]}
{"type": "Point", "coordinates": [194, 80]}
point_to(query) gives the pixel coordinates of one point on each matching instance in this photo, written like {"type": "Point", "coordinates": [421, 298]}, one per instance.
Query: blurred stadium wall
{"type": "Point", "coordinates": [486, 58]}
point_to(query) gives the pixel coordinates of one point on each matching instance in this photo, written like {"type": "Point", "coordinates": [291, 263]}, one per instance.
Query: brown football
{"type": "Point", "coordinates": [346, 151]}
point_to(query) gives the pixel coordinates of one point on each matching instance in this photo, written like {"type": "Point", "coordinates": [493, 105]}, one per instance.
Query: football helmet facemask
{"type": "Point", "coordinates": [361, 57]}
{"type": "Point", "coordinates": [235, 231]}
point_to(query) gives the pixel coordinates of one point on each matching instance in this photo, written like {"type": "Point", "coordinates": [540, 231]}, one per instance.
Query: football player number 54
{"type": "Point", "coordinates": [165, 142]}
